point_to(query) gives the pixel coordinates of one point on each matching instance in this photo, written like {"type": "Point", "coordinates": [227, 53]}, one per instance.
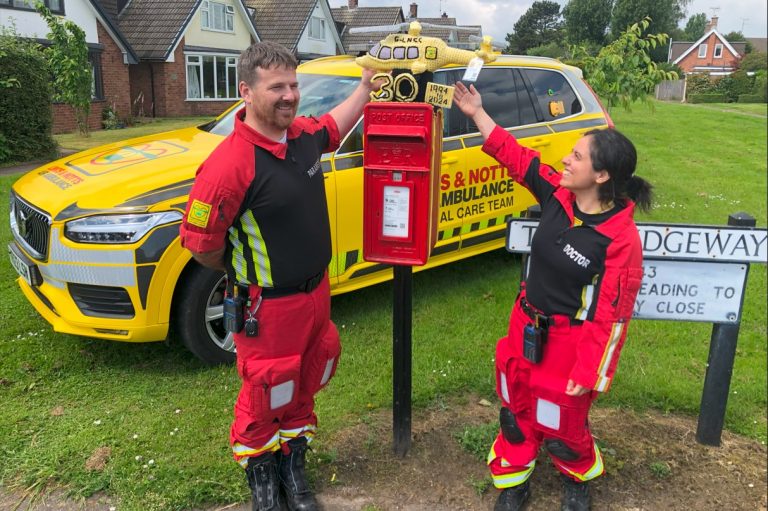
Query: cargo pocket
{"type": "Point", "coordinates": [628, 288]}
{"type": "Point", "coordinates": [555, 412]}
{"type": "Point", "coordinates": [511, 379]}
{"type": "Point", "coordinates": [271, 385]}
{"type": "Point", "coordinates": [320, 362]}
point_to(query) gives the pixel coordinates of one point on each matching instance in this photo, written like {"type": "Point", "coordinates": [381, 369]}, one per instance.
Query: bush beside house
{"type": "Point", "coordinates": [26, 119]}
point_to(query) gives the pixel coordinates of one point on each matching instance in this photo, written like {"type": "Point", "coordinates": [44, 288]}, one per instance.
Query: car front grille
{"type": "Point", "coordinates": [31, 227]}
{"type": "Point", "coordinates": [102, 301]}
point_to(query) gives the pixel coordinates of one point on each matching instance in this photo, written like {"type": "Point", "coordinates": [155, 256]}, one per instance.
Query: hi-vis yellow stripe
{"type": "Point", "coordinates": [307, 431]}
{"type": "Point", "coordinates": [258, 249]}
{"type": "Point", "coordinates": [602, 371]}
{"type": "Point", "coordinates": [238, 260]}
{"type": "Point", "coordinates": [243, 452]}
{"type": "Point", "coordinates": [513, 478]}
{"type": "Point", "coordinates": [594, 471]}
{"type": "Point", "coordinates": [587, 295]}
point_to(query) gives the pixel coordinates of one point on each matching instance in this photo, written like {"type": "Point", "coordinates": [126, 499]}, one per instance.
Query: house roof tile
{"type": "Point", "coordinates": [365, 17]}
{"type": "Point", "coordinates": [282, 21]}
{"type": "Point", "coordinates": [153, 28]}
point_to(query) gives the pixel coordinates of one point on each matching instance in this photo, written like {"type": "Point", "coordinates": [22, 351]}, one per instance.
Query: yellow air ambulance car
{"type": "Point", "coordinates": [96, 240]}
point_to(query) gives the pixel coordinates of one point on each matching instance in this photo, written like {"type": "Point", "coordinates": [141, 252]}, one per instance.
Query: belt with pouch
{"type": "Point", "coordinates": [538, 318]}
{"type": "Point", "coordinates": [307, 286]}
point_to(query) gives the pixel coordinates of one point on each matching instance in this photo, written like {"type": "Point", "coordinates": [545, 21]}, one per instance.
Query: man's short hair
{"type": "Point", "coordinates": [264, 55]}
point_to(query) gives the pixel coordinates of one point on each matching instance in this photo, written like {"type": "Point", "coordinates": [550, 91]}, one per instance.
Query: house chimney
{"type": "Point", "coordinates": [414, 10]}
{"type": "Point", "coordinates": [445, 15]}
{"type": "Point", "coordinates": [352, 4]}
{"type": "Point", "coordinates": [712, 24]}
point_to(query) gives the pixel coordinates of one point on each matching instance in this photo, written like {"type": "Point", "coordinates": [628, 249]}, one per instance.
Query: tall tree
{"type": "Point", "coordinates": [737, 37]}
{"type": "Point", "coordinates": [540, 24]}
{"type": "Point", "coordinates": [587, 20]}
{"type": "Point", "coordinates": [664, 14]}
{"type": "Point", "coordinates": [696, 26]}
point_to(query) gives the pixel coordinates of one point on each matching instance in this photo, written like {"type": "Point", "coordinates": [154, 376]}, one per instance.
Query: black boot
{"type": "Point", "coordinates": [294, 480]}
{"type": "Point", "coordinates": [514, 498]}
{"type": "Point", "coordinates": [575, 495]}
{"type": "Point", "coordinates": [262, 478]}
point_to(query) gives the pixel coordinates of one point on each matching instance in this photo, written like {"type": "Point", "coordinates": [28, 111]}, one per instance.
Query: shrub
{"type": "Point", "coordinates": [706, 98]}
{"type": "Point", "coordinates": [754, 61]}
{"type": "Point", "coordinates": [751, 98]}
{"type": "Point", "coordinates": [698, 83]}
{"type": "Point", "coordinates": [734, 85]}
{"type": "Point", "coordinates": [551, 50]}
{"type": "Point", "coordinates": [761, 84]}
{"type": "Point", "coordinates": [26, 118]}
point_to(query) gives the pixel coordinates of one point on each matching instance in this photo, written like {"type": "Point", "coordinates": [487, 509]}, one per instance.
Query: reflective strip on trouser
{"type": "Point", "coordinates": [278, 370]}
{"type": "Point", "coordinates": [596, 469]}
{"type": "Point", "coordinates": [500, 470]}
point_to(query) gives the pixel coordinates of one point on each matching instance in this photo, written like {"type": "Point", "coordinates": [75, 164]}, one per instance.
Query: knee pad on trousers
{"type": "Point", "coordinates": [509, 428]}
{"type": "Point", "coordinates": [558, 449]}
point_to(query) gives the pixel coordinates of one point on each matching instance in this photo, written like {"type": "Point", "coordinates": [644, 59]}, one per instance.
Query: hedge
{"type": "Point", "coordinates": [751, 98]}
{"type": "Point", "coordinates": [706, 98]}
{"type": "Point", "coordinates": [26, 119]}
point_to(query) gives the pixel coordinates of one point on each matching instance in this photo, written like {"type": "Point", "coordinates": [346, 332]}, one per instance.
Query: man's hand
{"type": "Point", "coordinates": [368, 81]}
{"type": "Point", "coordinates": [574, 389]}
{"type": "Point", "coordinates": [469, 100]}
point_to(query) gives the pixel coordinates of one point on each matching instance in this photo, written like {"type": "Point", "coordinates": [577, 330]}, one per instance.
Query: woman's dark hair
{"type": "Point", "coordinates": [613, 152]}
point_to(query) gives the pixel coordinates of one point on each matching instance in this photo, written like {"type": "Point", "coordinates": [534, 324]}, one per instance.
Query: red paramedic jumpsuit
{"type": "Point", "coordinates": [265, 202]}
{"type": "Point", "coordinates": [584, 275]}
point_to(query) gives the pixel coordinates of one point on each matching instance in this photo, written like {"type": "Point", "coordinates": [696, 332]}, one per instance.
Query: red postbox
{"type": "Point", "coordinates": [401, 160]}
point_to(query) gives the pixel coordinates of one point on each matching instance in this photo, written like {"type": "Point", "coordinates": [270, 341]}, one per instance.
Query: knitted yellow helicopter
{"type": "Point", "coordinates": [418, 53]}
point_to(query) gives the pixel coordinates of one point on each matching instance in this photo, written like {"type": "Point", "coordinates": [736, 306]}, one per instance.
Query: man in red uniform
{"type": "Point", "coordinates": [258, 211]}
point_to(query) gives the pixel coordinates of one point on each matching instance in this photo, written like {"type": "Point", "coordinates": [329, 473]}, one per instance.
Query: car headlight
{"type": "Point", "coordinates": [117, 228]}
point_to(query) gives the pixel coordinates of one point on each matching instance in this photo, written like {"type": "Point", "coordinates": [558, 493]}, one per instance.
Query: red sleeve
{"type": "Point", "coordinates": [215, 200]}
{"type": "Point", "coordinates": [313, 125]}
{"type": "Point", "coordinates": [601, 339]}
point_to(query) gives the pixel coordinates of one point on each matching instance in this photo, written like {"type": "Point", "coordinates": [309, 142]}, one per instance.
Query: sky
{"type": "Point", "coordinates": [497, 17]}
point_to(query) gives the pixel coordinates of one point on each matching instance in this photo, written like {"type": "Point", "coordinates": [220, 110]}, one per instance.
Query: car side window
{"type": "Point", "coordinates": [354, 142]}
{"type": "Point", "coordinates": [555, 95]}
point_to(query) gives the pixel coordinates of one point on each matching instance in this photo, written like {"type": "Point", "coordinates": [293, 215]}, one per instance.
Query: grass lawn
{"type": "Point", "coordinates": [748, 108]}
{"type": "Point", "coordinates": [162, 418]}
{"type": "Point", "coordinates": [146, 126]}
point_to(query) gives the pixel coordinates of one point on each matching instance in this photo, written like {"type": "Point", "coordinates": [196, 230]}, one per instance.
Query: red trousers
{"type": "Point", "coordinates": [293, 357]}
{"type": "Point", "coordinates": [544, 413]}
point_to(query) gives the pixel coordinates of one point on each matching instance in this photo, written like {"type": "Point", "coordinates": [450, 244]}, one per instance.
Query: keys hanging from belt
{"type": "Point", "coordinates": [251, 323]}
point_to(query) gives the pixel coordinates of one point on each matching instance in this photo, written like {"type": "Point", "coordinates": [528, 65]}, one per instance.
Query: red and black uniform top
{"type": "Point", "coordinates": [265, 201]}
{"type": "Point", "coordinates": [587, 267]}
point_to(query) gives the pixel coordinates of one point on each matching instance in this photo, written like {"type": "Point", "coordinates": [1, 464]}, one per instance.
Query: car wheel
{"type": "Point", "coordinates": [198, 316]}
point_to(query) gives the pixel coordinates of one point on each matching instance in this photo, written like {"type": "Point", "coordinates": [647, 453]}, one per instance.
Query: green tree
{"type": "Point", "coordinates": [738, 37]}
{"type": "Point", "coordinates": [696, 26]}
{"type": "Point", "coordinates": [587, 20]}
{"type": "Point", "coordinates": [623, 72]}
{"type": "Point", "coordinates": [754, 61]}
{"type": "Point", "coordinates": [664, 15]}
{"type": "Point", "coordinates": [540, 24]}
{"type": "Point", "coordinates": [68, 59]}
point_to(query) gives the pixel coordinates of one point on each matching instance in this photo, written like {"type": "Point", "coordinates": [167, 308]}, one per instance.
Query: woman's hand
{"type": "Point", "coordinates": [574, 389]}
{"type": "Point", "coordinates": [469, 100]}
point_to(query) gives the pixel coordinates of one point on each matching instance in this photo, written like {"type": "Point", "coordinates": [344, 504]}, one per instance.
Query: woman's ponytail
{"type": "Point", "coordinates": [641, 192]}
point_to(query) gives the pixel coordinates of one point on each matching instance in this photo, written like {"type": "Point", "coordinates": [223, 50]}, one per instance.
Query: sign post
{"type": "Point", "coordinates": [690, 273]}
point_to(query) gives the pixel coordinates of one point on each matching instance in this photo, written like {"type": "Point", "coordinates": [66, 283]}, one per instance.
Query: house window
{"type": "Point", "coordinates": [702, 51]}
{"type": "Point", "coordinates": [217, 16]}
{"type": "Point", "coordinates": [211, 77]}
{"type": "Point", "coordinates": [718, 51]}
{"type": "Point", "coordinates": [97, 84]}
{"type": "Point", "coordinates": [317, 28]}
{"type": "Point", "coordinates": [56, 6]}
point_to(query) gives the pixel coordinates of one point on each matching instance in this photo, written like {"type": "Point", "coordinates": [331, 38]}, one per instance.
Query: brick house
{"type": "Point", "coordinates": [711, 54]}
{"type": "Point", "coordinates": [188, 51]}
{"type": "Point", "coordinates": [305, 27]}
{"type": "Point", "coordinates": [108, 51]}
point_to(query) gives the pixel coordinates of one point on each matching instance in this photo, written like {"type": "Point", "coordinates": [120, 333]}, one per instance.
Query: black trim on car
{"type": "Point", "coordinates": [154, 246]}
{"type": "Point", "coordinates": [349, 162]}
{"type": "Point", "coordinates": [144, 279]}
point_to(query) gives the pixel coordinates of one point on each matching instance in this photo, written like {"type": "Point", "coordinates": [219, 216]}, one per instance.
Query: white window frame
{"type": "Point", "coordinates": [208, 11]}
{"type": "Point", "coordinates": [702, 50]}
{"type": "Point", "coordinates": [718, 51]}
{"type": "Point", "coordinates": [316, 25]}
{"type": "Point", "coordinates": [195, 60]}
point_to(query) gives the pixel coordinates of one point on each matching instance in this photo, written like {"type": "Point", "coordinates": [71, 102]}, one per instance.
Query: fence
{"type": "Point", "coordinates": [671, 90]}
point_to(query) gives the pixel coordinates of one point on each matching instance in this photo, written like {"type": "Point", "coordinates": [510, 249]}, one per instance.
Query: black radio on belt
{"type": "Point", "coordinates": [535, 335]}
{"type": "Point", "coordinates": [235, 303]}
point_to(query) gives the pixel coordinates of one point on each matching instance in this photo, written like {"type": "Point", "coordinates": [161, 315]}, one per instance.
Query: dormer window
{"type": "Point", "coordinates": [718, 51]}
{"type": "Point", "coordinates": [217, 16]}
{"type": "Point", "coordinates": [702, 51]}
{"type": "Point", "coordinates": [317, 28]}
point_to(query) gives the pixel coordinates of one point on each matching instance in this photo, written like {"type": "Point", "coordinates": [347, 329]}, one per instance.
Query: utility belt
{"type": "Point", "coordinates": [238, 313]}
{"type": "Point", "coordinates": [535, 335]}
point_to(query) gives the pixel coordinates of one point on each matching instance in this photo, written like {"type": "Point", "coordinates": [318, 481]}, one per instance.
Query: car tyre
{"type": "Point", "coordinates": [198, 316]}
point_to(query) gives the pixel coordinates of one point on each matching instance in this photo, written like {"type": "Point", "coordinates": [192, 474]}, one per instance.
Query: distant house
{"type": "Point", "coordinates": [305, 27]}
{"type": "Point", "coordinates": [353, 16]}
{"type": "Point", "coordinates": [188, 52]}
{"type": "Point", "coordinates": [711, 54]}
{"type": "Point", "coordinates": [108, 52]}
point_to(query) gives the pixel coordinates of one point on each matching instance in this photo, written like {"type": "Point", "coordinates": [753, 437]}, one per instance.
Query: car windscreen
{"type": "Point", "coordinates": [319, 94]}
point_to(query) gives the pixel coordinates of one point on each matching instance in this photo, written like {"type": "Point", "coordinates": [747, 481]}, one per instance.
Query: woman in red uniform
{"type": "Point", "coordinates": [570, 320]}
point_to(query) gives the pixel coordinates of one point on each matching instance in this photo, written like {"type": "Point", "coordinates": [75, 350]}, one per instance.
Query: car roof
{"type": "Point", "coordinates": [345, 65]}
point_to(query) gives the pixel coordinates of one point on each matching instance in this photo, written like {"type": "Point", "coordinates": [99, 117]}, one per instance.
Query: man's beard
{"type": "Point", "coordinates": [273, 115]}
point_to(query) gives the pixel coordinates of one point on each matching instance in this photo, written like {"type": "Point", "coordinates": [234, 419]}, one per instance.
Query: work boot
{"type": "Point", "coordinates": [514, 498]}
{"type": "Point", "coordinates": [262, 478]}
{"type": "Point", "coordinates": [575, 495]}
{"type": "Point", "coordinates": [293, 479]}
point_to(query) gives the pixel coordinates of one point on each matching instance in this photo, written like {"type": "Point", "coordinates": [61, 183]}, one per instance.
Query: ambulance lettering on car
{"type": "Point", "coordinates": [96, 235]}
